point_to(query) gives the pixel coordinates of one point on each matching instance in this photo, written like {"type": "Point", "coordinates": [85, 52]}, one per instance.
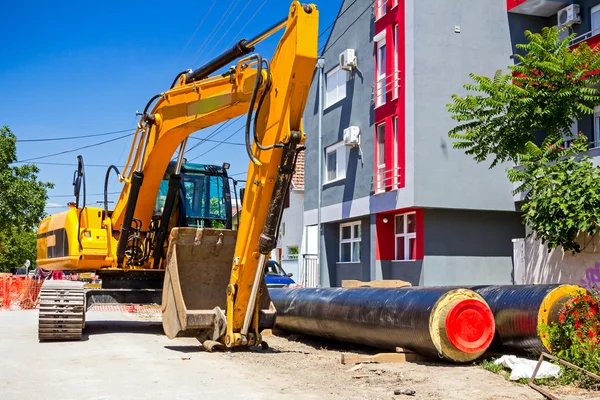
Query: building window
{"type": "Point", "coordinates": [394, 3]}
{"type": "Point", "coordinates": [406, 236]}
{"type": "Point", "coordinates": [380, 133]}
{"type": "Point", "coordinates": [381, 73]}
{"type": "Point", "coordinates": [350, 236]}
{"type": "Point", "coordinates": [335, 162]}
{"type": "Point", "coordinates": [396, 72]}
{"type": "Point", "coordinates": [292, 252]}
{"type": "Point", "coordinates": [380, 8]}
{"type": "Point", "coordinates": [596, 142]}
{"type": "Point", "coordinates": [336, 86]}
{"type": "Point", "coordinates": [595, 19]}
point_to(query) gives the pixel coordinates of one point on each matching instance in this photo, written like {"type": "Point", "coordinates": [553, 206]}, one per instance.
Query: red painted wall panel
{"type": "Point", "coordinates": [510, 4]}
{"type": "Point", "coordinates": [385, 239]}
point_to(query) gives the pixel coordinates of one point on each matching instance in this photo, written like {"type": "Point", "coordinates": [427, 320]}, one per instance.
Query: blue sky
{"type": "Point", "coordinates": [72, 68]}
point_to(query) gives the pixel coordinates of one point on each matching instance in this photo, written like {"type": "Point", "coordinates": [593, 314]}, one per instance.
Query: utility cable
{"type": "Point", "coordinates": [77, 149]}
{"type": "Point", "coordinates": [226, 32]}
{"type": "Point", "coordinates": [194, 34]}
{"type": "Point", "coordinates": [74, 137]}
{"type": "Point", "coordinates": [217, 27]}
{"type": "Point", "coordinates": [70, 195]}
{"type": "Point", "coordinates": [237, 35]}
{"type": "Point", "coordinates": [213, 133]}
{"type": "Point", "coordinates": [217, 145]}
{"type": "Point", "coordinates": [323, 49]}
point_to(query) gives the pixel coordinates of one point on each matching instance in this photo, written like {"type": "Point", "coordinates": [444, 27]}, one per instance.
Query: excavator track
{"type": "Point", "coordinates": [62, 311]}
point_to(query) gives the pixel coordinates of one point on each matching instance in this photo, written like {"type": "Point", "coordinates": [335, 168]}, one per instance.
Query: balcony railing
{"type": "Point", "coordinates": [385, 180]}
{"type": "Point", "coordinates": [380, 7]}
{"type": "Point", "coordinates": [585, 36]}
{"type": "Point", "coordinates": [309, 274]}
{"type": "Point", "coordinates": [382, 87]}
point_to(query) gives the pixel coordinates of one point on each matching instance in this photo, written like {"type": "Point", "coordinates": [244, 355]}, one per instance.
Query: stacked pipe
{"type": "Point", "coordinates": [455, 324]}
{"type": "Point", "coordinates": [519, 311]}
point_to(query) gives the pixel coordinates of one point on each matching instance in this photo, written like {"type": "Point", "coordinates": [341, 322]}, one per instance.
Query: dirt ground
{"type": "Point", "coordinates": [125, 355]}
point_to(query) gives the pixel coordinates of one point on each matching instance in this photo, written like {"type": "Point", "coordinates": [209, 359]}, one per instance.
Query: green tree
{"type": "Point", "coordinates": [22, 202]}
{"type": "Point", "coordinates": [551, 87]}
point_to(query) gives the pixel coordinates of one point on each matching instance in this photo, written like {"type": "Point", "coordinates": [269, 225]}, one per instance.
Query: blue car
{"type": "Point", "coordinates": [276, 277]}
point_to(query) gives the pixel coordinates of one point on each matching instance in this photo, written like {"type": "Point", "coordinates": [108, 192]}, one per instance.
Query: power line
{"type": "Point", "coordinates": [69, 164]}
{"type": "Point", "coordinates": [73, 137]}
{"type": "Point", "coordinates": [217, 27]}
{"type": "Point", "coordinates": [77, 149]}
{"type": "Point", "coordinates": [338, 17]}
{"type": "Point", "coordinates": [217, 145]}
{"type": "Point", "coordinates": [323, 50]}
{"type": "Point", "coordinates": [248, 22]}
{"type": "Point", "coordinates": [225, 33]}
{"type": "Point", "coordinates": [194, 34]}
{"type": "Point", "coordinates": [219, 141]}
{"type": "Point", "coordinates": [214, 133]}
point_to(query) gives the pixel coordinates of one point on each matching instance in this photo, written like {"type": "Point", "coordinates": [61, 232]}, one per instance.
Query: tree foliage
{"type": "Point", "coordinates": [551, 87]}
{"type": "Point", "coordinates": [548, 90]}
{"type": "Point", "coordinates": [22, 202]}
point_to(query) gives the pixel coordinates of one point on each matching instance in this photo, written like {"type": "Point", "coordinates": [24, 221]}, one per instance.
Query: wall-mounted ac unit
{"type": "Point", "coordinates": [352, 136]}
{"type": "Point", "coordinates": [348, 59]}
{"type": "Point", "coordinates": [569, 16]}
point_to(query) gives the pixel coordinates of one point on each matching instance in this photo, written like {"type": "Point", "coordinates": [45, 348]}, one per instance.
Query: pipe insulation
{"type": "Point", "coordinates": [519, 311]}
{"type": "Point", "coordinates": [455, 324]}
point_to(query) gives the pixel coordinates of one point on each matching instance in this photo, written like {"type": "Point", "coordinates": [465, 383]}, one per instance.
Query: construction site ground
{"type": "Point", "coordinates": [125, 355]}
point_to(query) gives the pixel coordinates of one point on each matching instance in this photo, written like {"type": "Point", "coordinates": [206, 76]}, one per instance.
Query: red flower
{"type": "Point", "coordinates": [561, 318]}
{"type": "Point", "coordinates": [577, 325]}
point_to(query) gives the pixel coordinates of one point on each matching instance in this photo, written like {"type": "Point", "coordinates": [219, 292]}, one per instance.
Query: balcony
{"type": "Point", "coordinates": [385, 85]}
{"type": "Point", "coordinates": [538, 8]}
{"type": "Point", "coordinates": [385, 180]}
{"type": "Point", "coordinates": [592, 38]}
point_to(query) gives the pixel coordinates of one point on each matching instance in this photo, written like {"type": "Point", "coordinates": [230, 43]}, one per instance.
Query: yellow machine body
{"type": "Point", "coordinates": [210, 271]}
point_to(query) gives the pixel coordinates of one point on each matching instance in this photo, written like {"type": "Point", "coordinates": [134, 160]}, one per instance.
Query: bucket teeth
{"type": "Point", "coordinates": [62, 311]}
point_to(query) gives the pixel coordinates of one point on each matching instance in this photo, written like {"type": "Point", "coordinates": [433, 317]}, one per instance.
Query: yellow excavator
{"type": "Point", "coordinates": [171, 226]}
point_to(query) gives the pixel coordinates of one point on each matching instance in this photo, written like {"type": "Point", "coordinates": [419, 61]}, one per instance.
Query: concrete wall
{"type": "Point", "coordinates": [535, 265]}
{"type": "Point", "coordinates": [356, 109]}
{"type": "Point", "coordinates": [443, 59]}
{"type": "Point", "coordinates": [291, 235]}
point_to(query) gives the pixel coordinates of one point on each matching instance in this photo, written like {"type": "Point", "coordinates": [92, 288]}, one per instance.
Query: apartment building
{"type": "Point", "coordinates": [397, 201]}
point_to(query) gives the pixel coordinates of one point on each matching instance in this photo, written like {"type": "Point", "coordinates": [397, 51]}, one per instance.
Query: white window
{"type": "Point", "coordinates": [380, 90]}
{"type": "Point", "coordinates": [336, 86]}
{"type": "Point", "coordinates": [568, 138]}
{"type": "Point", "coordinates": [381, 180]}
{"type": "Point", "coordinates": [406, 236]}
{"type": "Point", "coordinates": [380, 8]}
{"type": "Point", "coordinates": [335, 162]}
{"type": "Point", "coordinates": [596, 128]}
{"type": "Point", "coordinates": [596, 20]}
{"type": "Point", "coordinates": [394, 3]}
{"type": "Point", "coordinates": [292, 252]}
{"type": "Point", "coordinates": [350, 236]}
{"type": "Point", "coordinates": [396, 73]}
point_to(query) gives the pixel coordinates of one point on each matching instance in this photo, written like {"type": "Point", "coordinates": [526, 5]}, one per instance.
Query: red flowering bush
{"type": "Point", "coordinates": [574, 338]}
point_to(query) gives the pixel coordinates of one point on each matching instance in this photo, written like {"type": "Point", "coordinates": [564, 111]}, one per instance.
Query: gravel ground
{"type": "Point", "coordinates": [125, 355]}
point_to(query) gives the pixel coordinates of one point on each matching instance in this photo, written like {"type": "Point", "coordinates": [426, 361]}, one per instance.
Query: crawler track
{"type": "Point", "coordinates": [62, 311]}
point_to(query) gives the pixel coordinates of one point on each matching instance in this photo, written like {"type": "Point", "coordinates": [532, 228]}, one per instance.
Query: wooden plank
{"type": "Point", "coordinates": [401, 350]}
{"type": "Point", "coordinates": [381, 358]}
{"type": "Point", "coordinates": [391, 283]}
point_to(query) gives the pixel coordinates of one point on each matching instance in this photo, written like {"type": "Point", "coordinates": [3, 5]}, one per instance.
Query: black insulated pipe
{"type": "Point", "coordinates": [172, 192]}
{"type": "Point", "coordinates": [267, 240]}
{"type": "Point", "coordinates": [136, 183]}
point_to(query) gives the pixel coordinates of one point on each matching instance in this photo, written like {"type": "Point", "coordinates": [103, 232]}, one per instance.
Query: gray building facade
{"type": "Point", "coordinates": [404, 204]}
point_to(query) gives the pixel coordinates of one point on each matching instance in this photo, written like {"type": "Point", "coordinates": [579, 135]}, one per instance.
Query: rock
{"type": "Point", "coordinates": [407, 392]}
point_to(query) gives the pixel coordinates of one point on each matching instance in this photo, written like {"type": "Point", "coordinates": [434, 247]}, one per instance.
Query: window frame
{"type": "Point", "coordinates": [396, 85]}
{"type": "Point", "coordinates": [380, 168]}
{"type": "Point", "coordinates": [380, 9]}
{"type": "Point", "coordinates": [381, 72]}
{"type": "Point", "coordinates": [340, 164]}
{"type": "Point", "coordinates": [352, 241]}
{"type": "Point", "coordinates": [405, 235]}
{"type": "Point", "coordinates": [395, 166]}
{"type": "Point", "coordinates": [337, 71]}
{"type": "Point", "coordinates": [596, 141]}
{"type": "Point", "coordinates": [593, 10]}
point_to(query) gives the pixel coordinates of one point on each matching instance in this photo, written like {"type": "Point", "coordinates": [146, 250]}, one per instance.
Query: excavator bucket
{"type": "Point", "coordinates": [198, 268]}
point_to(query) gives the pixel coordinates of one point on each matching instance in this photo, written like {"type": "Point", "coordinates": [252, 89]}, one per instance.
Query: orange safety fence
{"type": "Point", "coordinates": [19, 292]}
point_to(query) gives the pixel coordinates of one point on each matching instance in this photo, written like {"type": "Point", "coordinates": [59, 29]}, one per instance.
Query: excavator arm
{"type": "Point", "coordinates": [274, 93]}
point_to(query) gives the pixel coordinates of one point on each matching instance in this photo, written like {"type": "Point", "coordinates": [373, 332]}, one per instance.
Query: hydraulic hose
{"type": "Point", "coordinates": [81, 175]}
{"type": "Point", "coordinates": [112, 167]}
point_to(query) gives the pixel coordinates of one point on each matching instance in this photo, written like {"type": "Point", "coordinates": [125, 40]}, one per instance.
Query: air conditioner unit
{"type": "Point", "coordinates": [569, 16]}
{"type": "Point", "coordinates": [348, 59]}
{"type": "Point", "coordinates": [352, 136]}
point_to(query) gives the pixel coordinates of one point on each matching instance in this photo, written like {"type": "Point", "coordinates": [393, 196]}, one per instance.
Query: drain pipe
{"type": "Point", "coordinates": [320, 66]}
